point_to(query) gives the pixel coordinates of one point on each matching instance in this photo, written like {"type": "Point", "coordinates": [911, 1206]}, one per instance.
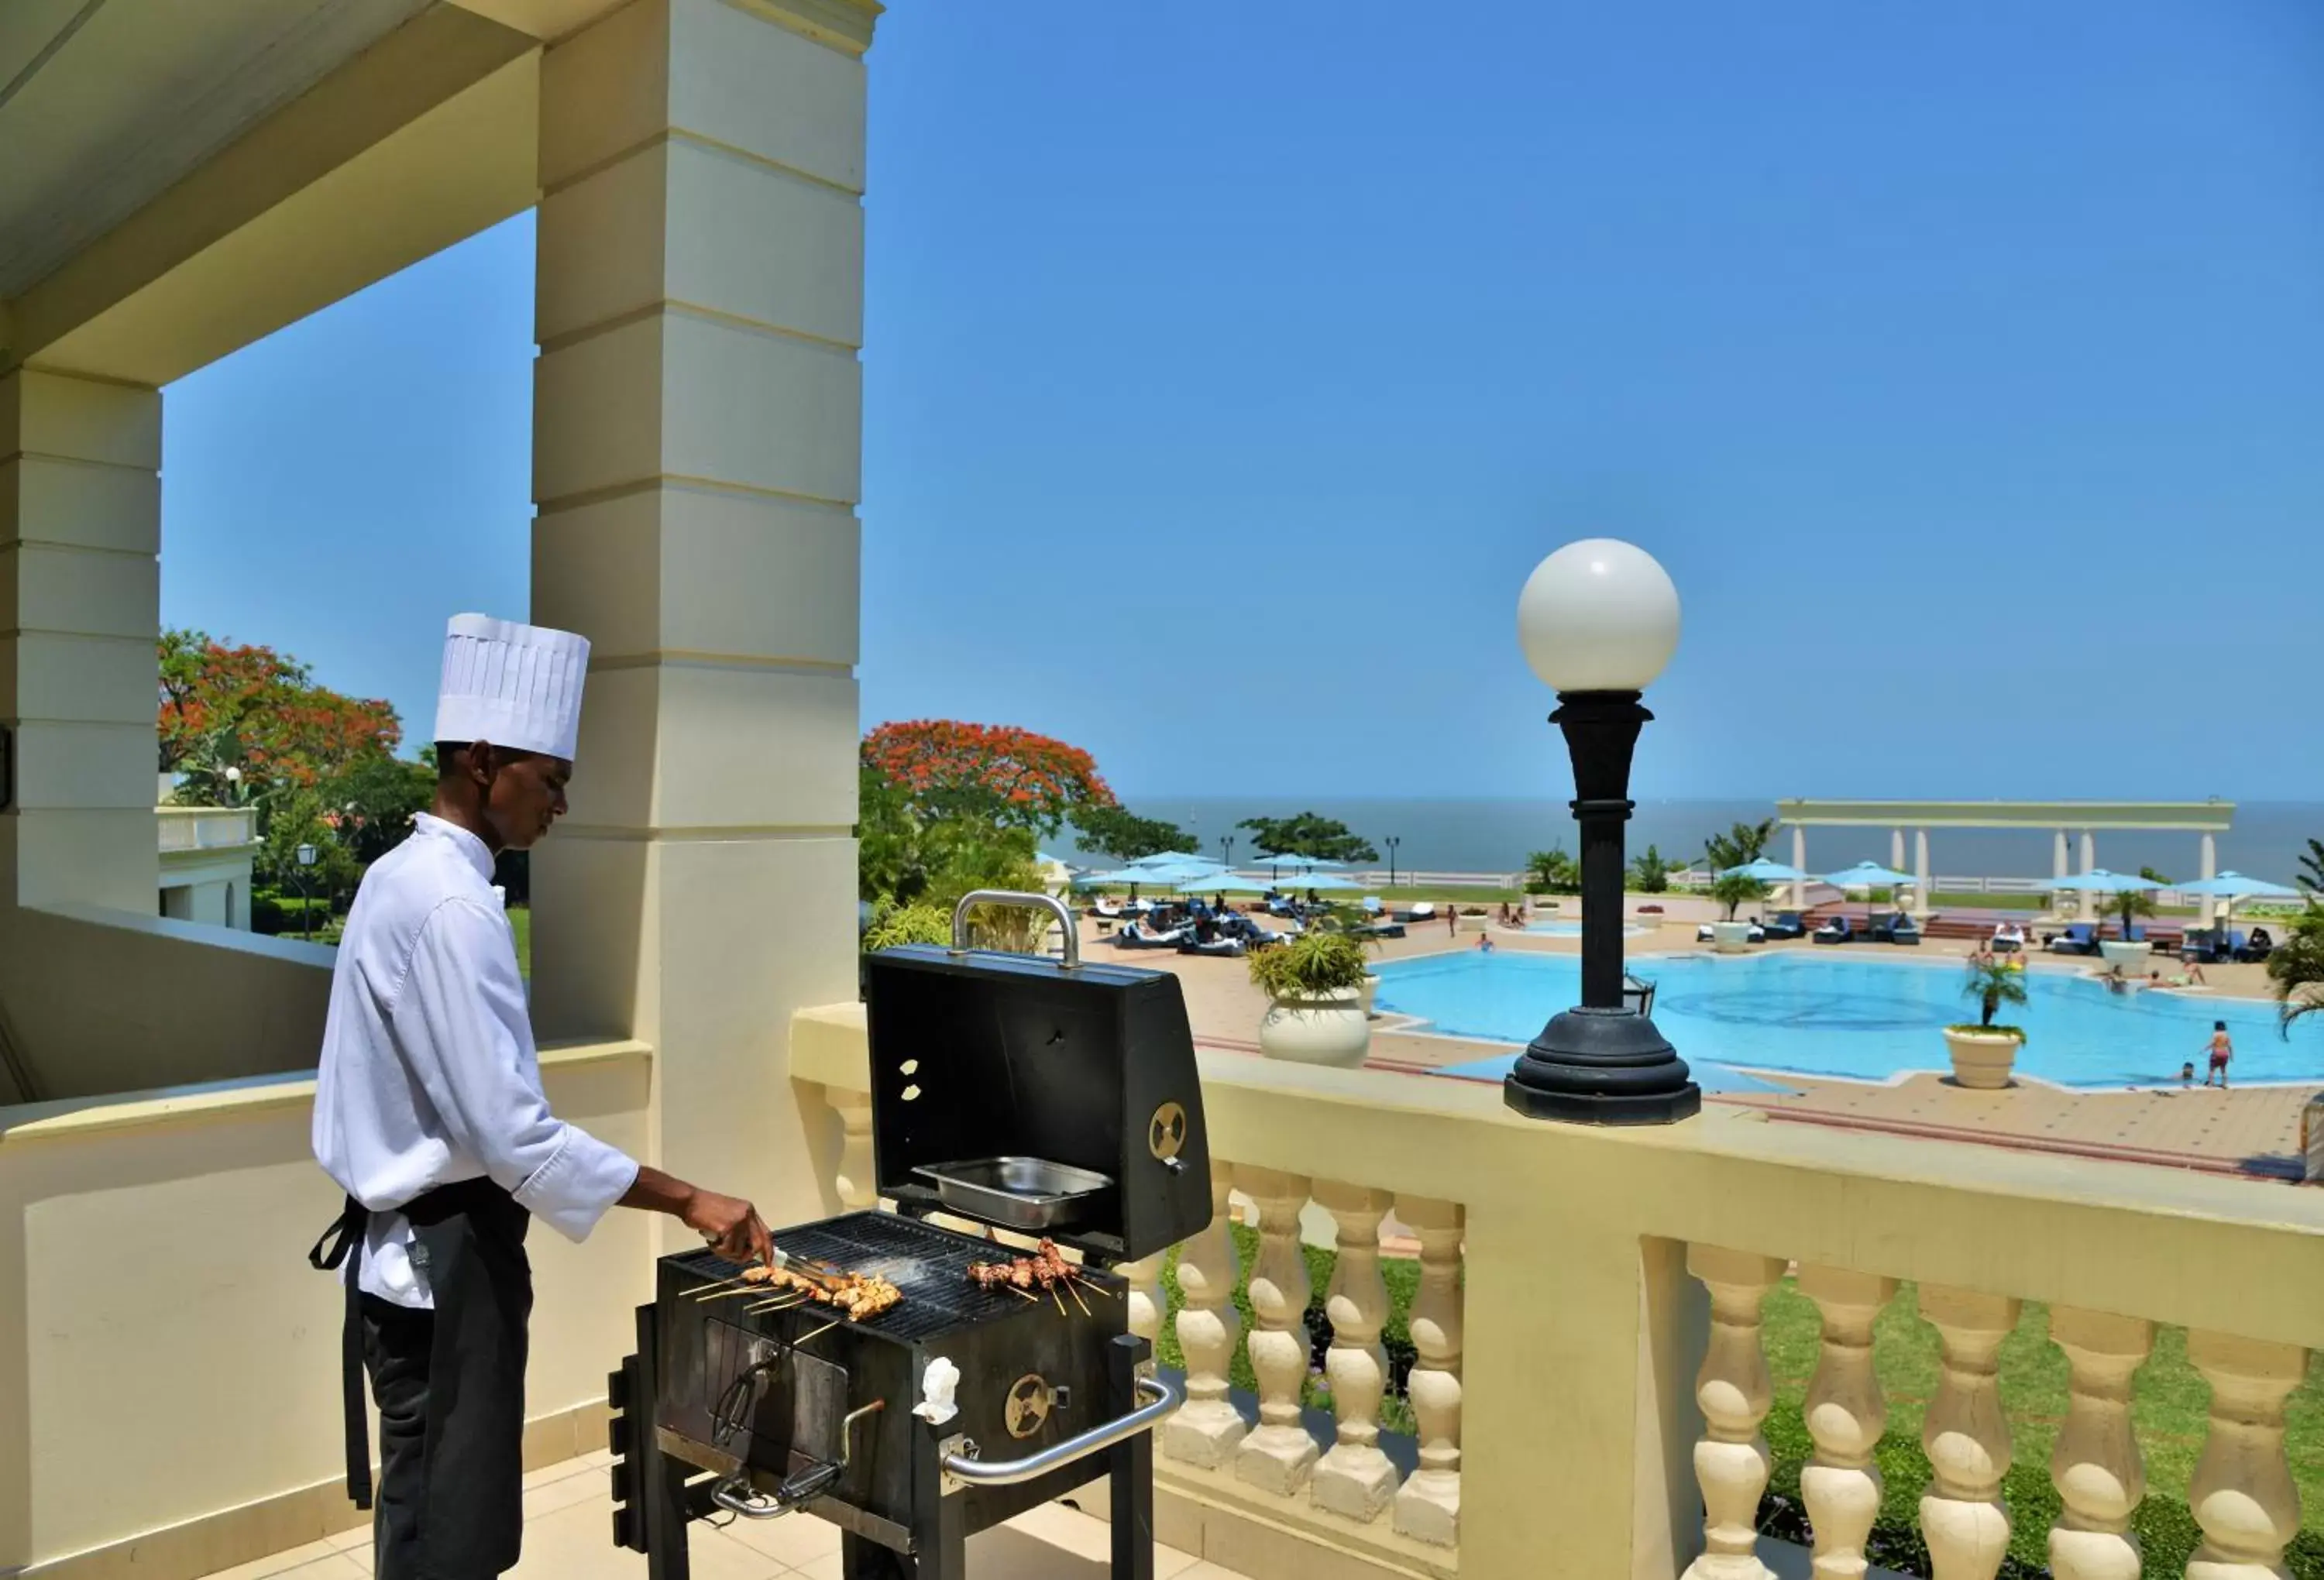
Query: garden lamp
{"type": "Point", "coordinates": [1598, 621]}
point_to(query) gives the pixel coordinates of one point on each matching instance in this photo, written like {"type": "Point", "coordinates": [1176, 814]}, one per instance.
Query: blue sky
{"type": "Point", "coordinates": [1964, 364]}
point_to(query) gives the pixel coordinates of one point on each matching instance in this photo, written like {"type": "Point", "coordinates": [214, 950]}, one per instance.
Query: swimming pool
{"type": "Point", "coordinates": [1814, 1015]}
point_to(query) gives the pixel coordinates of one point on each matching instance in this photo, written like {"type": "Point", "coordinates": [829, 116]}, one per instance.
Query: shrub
{"type": "Point", "coordinates": [899, 924]}
{"type": "Point", "coordinates": [1312, 963]}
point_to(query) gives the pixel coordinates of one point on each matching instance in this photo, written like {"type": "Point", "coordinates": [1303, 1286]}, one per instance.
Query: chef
{"type": "Point", "coordinates": [430, 1114]}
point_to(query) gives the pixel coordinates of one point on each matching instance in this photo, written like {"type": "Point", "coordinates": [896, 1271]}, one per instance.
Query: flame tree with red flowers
{"type": "Point", "coordinates": [994, 774]}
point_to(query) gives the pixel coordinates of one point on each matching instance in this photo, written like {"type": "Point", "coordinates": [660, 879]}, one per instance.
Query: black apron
{"type": "Point", "coordinates": [449, 1384]}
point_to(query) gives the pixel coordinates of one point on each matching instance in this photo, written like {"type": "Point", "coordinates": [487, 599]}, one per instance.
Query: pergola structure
{"type": "Point", "coordinates": [2063, 819]}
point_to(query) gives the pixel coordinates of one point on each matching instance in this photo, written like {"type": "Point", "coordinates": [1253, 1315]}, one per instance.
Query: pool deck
{"type": "Point", "coordinates": [2252, 1131]}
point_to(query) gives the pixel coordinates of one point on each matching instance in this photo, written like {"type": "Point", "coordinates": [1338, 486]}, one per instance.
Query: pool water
{"type": "Point", "coordinates": [1814, 1015]}
{"type": "Point", "coordinates": [1573, 929]}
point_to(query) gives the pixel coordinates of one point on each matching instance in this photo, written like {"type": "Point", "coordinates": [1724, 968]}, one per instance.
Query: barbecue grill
{"type": "Point", "coordinates": [1038, 1096]}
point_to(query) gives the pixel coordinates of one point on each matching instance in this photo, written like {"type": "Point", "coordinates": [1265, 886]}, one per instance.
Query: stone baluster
{"type": "Point", "coordinates": [859, 1190]}
{"type": "Point", "coordinates": [1966, 1436]}
{"type": "Point", "coordinates": [2096, 1465]}
{"type": "Point", "coordinates": [1733, 1388]}
{"type": "Point", "coordinates": [2241, 1492]}
{"type": "Point", "coordinates": [1845, 1415]}
{"type": "Point", "coordinates": [1207, 1428]}
{"type": "Point", "coordinates": [1144, 1277]}
{"type": "Point", "coordinates": [1278, 1453]}
{"type": "Point", "coordinates": [1354, 1478]}
{"type": "Point", "coordinates": [1428, 1504]}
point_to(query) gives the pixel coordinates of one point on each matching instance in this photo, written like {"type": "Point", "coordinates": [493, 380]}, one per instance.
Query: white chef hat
{"type": "Point", "coordinates": [515, 685]}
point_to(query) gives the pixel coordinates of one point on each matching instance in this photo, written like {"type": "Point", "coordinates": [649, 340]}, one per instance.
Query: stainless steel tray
{"type": "Point", "coordinates": [1029, 1194]}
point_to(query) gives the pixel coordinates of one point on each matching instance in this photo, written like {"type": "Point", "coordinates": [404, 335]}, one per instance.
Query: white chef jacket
{"type": "Point", "coordinates": [428, 1073]}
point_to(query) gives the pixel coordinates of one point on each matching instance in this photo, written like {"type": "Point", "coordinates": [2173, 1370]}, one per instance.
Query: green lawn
{"type": "Point", "coordinates": [2170, 1408]}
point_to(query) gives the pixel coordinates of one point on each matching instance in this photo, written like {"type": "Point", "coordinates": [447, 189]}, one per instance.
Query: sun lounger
{"type": "Point", "coordinates": [1223, 948]}
{"type": "Point", "coordinates": [1835, 930]}
{"type": "Point", "coordinates": [1703, 934]}
{"type": "Point", "coordinates": [2081, 939]}
{"type": "Point", "coordinates": [1784, 924]}
{"type": "Point", "coordinates": [1902, 929]}
{"type": "Point", "coordinates": [1107, 908]}
{"type": "Point", "coordinates": [2008, 938]}
{"type": "Point", "coordinates": [1135, 936]}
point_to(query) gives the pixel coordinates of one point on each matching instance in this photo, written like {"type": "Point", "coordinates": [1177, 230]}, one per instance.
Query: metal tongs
{"type": "Point", "coordinates": [808, 1267]}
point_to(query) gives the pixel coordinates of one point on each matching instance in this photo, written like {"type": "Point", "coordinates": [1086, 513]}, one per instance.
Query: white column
{"type": "Point", "coordinates": [1845, 1415]}
{"type": "Point", "coordinates": [2057, 858]}
{"type": "Point", "coordinates": [1920, 870]}
{"type": "Point", "coordinates": [858, 1189]}
{"type": "Point", "coordinates": [80, 606]}
{"type": "Point", "coordinates": [1354, 1477]}
{"type": "Point", "coordinates": [2090, 851]}
{"type": "Point", "coordinates": [1278, 1455]}
{"type": "Point", "coordinates": [1207, 1430]}
{"type": "Point", "coordinates": [1966, 1436]}
{"type": "Point", "coordinates": [2241, 1492]}
{"type": "Point", "coordinates": [2095, 1465]}
{"type": "Point", "coordinates": [1800, 860]}
{"type": "Point", "coordinates": [696, 418]}
{"type": "Point", "coordinates": [2210, 870]}
{"type": "Point", "coordinates": [1428, 1504]}
{"type": "Point", "coordinates": [1731, 1462]}
{"type": "Point", "coordinates": [1896, 849]}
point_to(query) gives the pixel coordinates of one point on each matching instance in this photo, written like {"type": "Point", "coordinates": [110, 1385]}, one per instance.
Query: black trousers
{"type": "Point", "coordinates": [449, 1384]}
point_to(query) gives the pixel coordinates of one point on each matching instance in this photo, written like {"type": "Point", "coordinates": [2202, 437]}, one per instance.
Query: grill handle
{"type": "Point", "coordinates": [1159, 1395]}
{"type": "Point", "coordinates": [1048, 903]}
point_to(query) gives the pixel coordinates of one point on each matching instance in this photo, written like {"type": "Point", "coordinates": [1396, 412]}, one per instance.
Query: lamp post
{"type": "Point", "coordinates": [1597, 619]}
{"type": "Point", "coordinates": [1391, 843]}
{"type": "Point", "coordinates": [306, 858]}
{"type": "Point", "coordinates": [1226, 850]}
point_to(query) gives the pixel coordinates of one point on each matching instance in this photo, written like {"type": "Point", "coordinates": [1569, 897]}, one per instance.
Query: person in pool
{"type": "Point", "coordinates": [2187, 1073]}
{"type": "Point", "coordinates": [2222, 1048]}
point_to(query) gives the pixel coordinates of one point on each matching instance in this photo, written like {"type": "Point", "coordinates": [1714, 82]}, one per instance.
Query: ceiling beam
{"type": "Point", "coordinates": [420, 141]}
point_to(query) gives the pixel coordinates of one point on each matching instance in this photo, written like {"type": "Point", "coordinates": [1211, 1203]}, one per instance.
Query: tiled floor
{"type": "Point", "coordinates": [568, 1536]}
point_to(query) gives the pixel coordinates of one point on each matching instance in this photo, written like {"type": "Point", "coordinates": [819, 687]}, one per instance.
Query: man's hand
{"type": "Point", "coordinates": [729, 1224]}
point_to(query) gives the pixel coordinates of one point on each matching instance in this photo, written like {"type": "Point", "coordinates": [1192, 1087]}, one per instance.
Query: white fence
{"type": "Point", "coordinates": [207, 828]}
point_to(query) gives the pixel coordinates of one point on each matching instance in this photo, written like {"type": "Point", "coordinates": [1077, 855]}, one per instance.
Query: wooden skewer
{"type": "Point", "coordinates": [779, 1303]}
{"type": "Point", "coordinates": [1072, 1290]}
{"type": "Point", "coordinates": [811, 1337]}
{"type": "Point", "coordinates": [751, 1288]}
{"type": "Point", "coordinates": [1021, 1294]}
{"type": "Point", "coordinates": [1058, 1298]}
{"type": "Point", "coordinates": [1096, 1288]}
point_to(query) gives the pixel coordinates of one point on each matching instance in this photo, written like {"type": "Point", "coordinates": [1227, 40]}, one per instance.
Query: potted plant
{"type": "Point", "coordinates": [1354, 923]}
{"type": "Point", "coordinates": [2296, 969]}
{"type": "Point", "coordinates": [1983, 1053]}
{"type": "Point", "coordinates": [2125, 954]}
{"type": "Point", "coordinates": [1315, 989]}
{"type": "Point", "coordinates": [1730, 936]}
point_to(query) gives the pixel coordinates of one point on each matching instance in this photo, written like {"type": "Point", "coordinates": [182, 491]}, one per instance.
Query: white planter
{"type": "Point", "coordinates": [1328, 1028]}
{"type": "Point", "coordinates": [1730, 937]}
{"type": "Point", "coordinates": [2131, 958]}
{"type": "Point", "coordinates": [1982, 1061]}
{"type": "Point", "coordinates": [1469, 924]}
{"type": "Point", "coordinates": [1370, 986]}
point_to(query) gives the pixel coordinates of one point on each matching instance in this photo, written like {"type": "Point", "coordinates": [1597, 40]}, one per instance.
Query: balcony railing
{"type": "Point", "coordinates": [205, 828]}
{"type": "Point", "coordinates": [1589, 1382]}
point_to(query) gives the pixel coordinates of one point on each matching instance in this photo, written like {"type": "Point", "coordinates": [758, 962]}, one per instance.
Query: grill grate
{"type": "Point", "coordinates": [929, 1264]}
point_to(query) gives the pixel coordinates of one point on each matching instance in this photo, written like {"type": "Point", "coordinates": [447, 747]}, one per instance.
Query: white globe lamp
{"type": "Point", "coordinates": [1599, 621]}
{"type": "Point", "coordinates": [1599, 615]}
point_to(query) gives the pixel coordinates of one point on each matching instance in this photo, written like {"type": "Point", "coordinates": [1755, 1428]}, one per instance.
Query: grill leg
{"type": "Point", "coordinates": [661, 1479]}
{"type": "Point", "coordinates": [1131, 1479]}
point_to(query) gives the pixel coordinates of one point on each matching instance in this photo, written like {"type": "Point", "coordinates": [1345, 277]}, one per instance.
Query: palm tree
{"type": "Point", "coordinates": [2296, 967]}
{"type": "Point", "coordinates": [1739, 846]}
{"type": "Point", "coordinates": [1993, 983]}
{"type": "Point", "coordinates": [2312, 868]}
{"type": "Point", "coordinates": [1731, 892]}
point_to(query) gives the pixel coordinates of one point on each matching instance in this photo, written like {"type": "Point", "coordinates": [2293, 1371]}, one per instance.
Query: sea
{"type": "Point", "coordinates": [1495, 836]}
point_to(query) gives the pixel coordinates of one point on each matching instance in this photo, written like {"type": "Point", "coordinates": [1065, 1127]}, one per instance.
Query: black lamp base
{"type": "Point", "coordinates": [1602, 1067]}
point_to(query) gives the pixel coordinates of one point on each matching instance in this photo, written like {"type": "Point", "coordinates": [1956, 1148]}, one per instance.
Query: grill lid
{"type": "Point", "coordinates": [986, 1065]}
